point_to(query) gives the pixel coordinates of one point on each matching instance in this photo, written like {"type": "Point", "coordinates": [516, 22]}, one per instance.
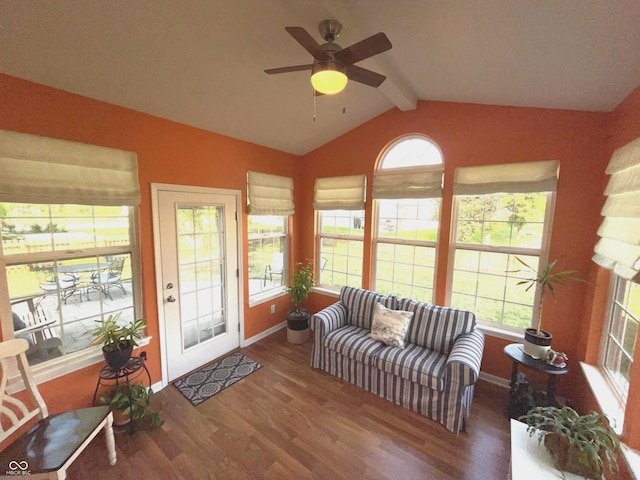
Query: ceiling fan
{"type": "Point", "coordinates": [332, 64]}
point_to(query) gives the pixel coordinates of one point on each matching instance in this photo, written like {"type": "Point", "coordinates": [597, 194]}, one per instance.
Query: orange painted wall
{"type": "Point", "coordinates": [168, 152]}
{"type": "Point", "coordinates": [482, 134]}
{"type": "Point", "coordinates": [470, 134]}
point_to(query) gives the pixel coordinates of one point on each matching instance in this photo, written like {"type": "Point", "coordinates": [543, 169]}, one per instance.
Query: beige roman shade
{"type": "Point", "coordinates": [340, 193]}
{"type": "Point", "coordinates": [269, 194]}
{"type": "Point", "coordinates": [408, 183]}
{"type": "Point", "coordinates": [619, 246]}
{"type": "Point", "coordinates": [36, 169]}
{"type": "Point", "coordinates": [525, 177]}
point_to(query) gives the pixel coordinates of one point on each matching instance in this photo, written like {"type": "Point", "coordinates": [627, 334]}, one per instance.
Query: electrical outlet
{"type": "Point", "coordinates": [273, 308]}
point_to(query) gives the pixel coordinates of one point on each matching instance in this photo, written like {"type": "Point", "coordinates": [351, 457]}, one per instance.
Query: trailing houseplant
{"type": "Point", "coordinates": [537, 341]}
{"type": "Point", "coordinates": [132, 402]}
{"type": "Point", "coordinates": [117, 340]}
{"type": "Point", "coordinates": [583, 444]}
{"type": "Point", "coordinates": [298, 318]}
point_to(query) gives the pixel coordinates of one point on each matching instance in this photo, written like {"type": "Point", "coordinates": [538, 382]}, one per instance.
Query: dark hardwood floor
{"type": "Point", "coordinates": [287, 421]}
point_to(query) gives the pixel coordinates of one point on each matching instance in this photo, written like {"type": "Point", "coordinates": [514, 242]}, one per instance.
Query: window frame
{"type": "Point", "coordinates": [500, 329]}
{"type": "Point", "coordinates": [269, 294]}
{"type": "Point", "coordinates": [65, 364]}
{"type": "Point", "coordinates": [318, 268]}
{"type": "Point", "coordinates": [418, 169]}
{"type": "Point", "coordinates": [376, 240]}
{"type": "Point", "coordinates": [617, 286]}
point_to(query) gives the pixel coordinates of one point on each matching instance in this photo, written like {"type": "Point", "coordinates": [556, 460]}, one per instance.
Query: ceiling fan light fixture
{"type": "Point", "coordinates": [329, 77]}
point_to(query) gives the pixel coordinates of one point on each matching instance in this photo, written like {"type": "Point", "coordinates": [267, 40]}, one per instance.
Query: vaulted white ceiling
{"type": "Point", "coordinates": [202, 63]}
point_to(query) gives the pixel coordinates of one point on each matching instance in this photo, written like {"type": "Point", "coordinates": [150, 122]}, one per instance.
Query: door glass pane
{"type": "Point", "coordinates": [200, 254]}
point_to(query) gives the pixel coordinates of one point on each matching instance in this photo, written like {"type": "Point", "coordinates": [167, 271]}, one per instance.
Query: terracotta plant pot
{"type": "Point", "coordinates": [567, 458]}
{"type": "Point", "coordinates": [120, 418]}
{"type": "Point", "coordinates": [536, 345]}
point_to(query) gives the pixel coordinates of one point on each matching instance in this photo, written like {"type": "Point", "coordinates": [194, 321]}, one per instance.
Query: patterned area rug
{"type": "Point", "coordinates": [211, 379]}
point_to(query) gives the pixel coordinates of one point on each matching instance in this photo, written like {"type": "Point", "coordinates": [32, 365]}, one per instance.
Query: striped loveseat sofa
{"type": "Point", "coordinates": [434, 374]}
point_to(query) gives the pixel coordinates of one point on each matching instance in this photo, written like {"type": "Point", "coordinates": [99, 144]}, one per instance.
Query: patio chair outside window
{"type": "Point", "coordinates": [33, 323]}
{"type": "Point", "coordinates": [275, 268]}
{"type": "Point", "coordinates": [112, 277]}
{"type": "Point", "coordinates": [66, 283]}
{"type": "Point", "coordinates": [50, 446]}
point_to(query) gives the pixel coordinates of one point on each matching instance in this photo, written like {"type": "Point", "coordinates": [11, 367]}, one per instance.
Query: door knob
{"type": "Point", "coordinates": [171, 299]}
{"type": "Point", "coordinates": [169, 285]}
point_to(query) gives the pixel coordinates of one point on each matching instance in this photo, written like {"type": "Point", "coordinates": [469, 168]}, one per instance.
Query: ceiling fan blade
{"type": "Point", "coordinates": [294, 68]}
{"type": "Point", "coordinates": [362, 75]}
{"type": "Point", "coordinates": [366, 48]}
{"type": "Point", "coordinates": [306, 40]}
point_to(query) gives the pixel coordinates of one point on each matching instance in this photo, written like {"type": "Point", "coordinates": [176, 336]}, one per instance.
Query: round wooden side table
{"type": "Point", "coordinates": [516, 353]}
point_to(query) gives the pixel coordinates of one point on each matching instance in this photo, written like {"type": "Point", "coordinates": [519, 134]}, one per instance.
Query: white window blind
{"type": "Point", "coordinates": [619, 246]}
{"type": "Point", "coordinates": [524, 177]}
{"type": "Point", "coordinates": [45, 170]}
{"type": "Point", "coordinates": [340, 193]}
{"type": "Point", "coordinates": [269, 194]}
{"type": "Point", "coordinates": [408, 183]}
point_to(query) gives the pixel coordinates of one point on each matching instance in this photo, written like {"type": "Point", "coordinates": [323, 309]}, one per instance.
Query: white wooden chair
{"type": "Point", "coordinates": [49, 447]}
{"type": "Point", "coordinates": [275, 268]}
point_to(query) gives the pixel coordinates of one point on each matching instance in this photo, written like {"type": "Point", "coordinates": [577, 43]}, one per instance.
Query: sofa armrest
{"type": "Point", "coordinates": [465, 357]}
{"type": "Point", "coordinates": [329, 319]}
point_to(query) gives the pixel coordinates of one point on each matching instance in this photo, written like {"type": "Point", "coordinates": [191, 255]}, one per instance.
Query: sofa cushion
{"type": "Point", "coordinates": [414, 363]}
{"type": "Point", "coordinates": [353, 342]}
{"type": "Point", "coordinates": [390, 326]}
{"type": "Point", "coordinates": [360, 305]}
{"type": "Point", "coordinates": [436, 328]}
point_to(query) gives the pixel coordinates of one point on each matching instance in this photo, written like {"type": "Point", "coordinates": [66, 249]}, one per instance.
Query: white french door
{"type": "Point", "coordinates": [197, 238]}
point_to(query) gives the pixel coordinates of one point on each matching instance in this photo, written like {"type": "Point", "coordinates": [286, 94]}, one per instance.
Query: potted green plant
{"type": "Point", "coordinates": [132, 402]}
{"type": "Point", "coordinates": [118, 340]}
{"type": "Point", "coordinates": [536, 340]}
{"type": "Point", "coordinates": [583, 444]}
{"type": "Point", "coordinates": [298, 318]}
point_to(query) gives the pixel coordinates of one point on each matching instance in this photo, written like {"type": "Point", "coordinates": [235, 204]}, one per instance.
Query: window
{"type": "Point", "coordinates": [621, 333]}
{"type": "Point", "coordinates": [68, 246]}
{"type": "Point", "coordinates": [339, 202]}
{"type": "Point", "coordinates": [267, 254]}
{"type": "Point", "coordinates": [489, 232]}
{"type": "Point", "coordinates": [66, 266]}
{"type": "Point", "coordinates": [407, 190]}
{"type": "Point", "coordinates": [340, 247]}
{"type": "Point", "coordinates": [500, 212]}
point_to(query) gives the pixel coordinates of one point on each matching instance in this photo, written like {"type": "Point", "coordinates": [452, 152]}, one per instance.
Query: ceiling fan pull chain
{"type": "Point", "coordinates": [314, 104]}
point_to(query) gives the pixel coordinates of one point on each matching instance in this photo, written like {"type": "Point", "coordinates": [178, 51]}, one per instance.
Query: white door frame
{"type": "Point", "coordinates": [162, 187]}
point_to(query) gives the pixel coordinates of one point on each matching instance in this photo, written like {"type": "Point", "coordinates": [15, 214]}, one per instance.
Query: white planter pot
{"type": "Point", "coordinates": [535, 345]}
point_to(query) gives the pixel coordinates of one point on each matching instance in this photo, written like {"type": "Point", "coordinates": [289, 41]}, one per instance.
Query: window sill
{"type": "Point", "coordinates": [64, 365]}
{"type": "Point", "coordinates": [513, 337]}
{"type": "Point", "coordinates": [327, 291]}
{"type": "Point", "coordinates": [260, 298]}
{"type": "Point", "coordinates": [632, 457]}
{"type": "Point", "coordinates": [612, 407]}
{"type": "Point", "coordinates": [607, 400]}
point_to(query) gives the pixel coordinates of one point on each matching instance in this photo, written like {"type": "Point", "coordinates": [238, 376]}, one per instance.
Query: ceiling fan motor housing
{"type": "Point", "coordinates": [330, 29]}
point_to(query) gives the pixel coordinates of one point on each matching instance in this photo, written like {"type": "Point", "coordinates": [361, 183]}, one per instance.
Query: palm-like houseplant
{"type": "Point", "coordinates": [537, 341]}
{"type": "Point", "coordinates": [117, 340]}
{"type": "Point", "coordinates": [583, 444]}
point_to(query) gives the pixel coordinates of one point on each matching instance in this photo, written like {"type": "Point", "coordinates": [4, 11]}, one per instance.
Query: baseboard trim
{"type": "Point", "coordinates": [264, 334]}
{"type": "Point", "coordinates": [156, 387]}
{"type": "Point", "coordinates": [499, 381]}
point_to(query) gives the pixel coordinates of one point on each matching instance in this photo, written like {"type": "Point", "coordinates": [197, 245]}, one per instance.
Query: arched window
{"type": "Point", "coordinates": [407, 191]}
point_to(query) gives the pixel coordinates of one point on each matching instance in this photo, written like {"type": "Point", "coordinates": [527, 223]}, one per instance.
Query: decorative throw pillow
{"type": "Point", "coordinates": [390, 326]}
